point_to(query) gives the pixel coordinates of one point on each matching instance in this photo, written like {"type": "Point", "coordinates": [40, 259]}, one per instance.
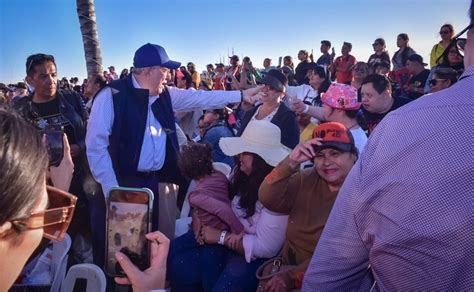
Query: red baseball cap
{"type": "Point", "coordinates": [334, 135]}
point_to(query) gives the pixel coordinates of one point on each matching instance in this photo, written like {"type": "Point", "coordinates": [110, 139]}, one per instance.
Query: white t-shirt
{"type": "Point", "coordinates": [265, 231]}
{"type": "Point", "coordinates": [360, 138]}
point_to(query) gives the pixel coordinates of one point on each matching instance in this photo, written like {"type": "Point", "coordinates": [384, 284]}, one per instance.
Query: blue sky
{"type": "Point", "coordinates": [204, 31]}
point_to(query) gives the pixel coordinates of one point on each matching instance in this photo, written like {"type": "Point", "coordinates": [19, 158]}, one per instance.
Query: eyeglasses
{"type": "Point", "coordinates": [461, 42]}
{"type": "Point", "coordinates": [55, 219]}
{"type": "Point", "coordinates": [375, 44]}
{"type": "Point", "coordinates": [444, 32]}
{"type": "Point", "coordinates": [433, 82]}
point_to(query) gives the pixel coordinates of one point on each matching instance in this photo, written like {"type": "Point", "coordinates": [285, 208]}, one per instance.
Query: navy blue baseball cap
{"type": "Point", "coordinates": [153, 55]}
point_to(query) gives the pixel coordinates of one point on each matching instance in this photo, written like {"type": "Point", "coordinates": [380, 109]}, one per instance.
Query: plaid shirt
{"type": "Point", "coordinates": [406, 208]}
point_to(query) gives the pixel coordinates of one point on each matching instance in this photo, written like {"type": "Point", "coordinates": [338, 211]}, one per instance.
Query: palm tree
{"type": "Point", "coordinates": [90, 39]}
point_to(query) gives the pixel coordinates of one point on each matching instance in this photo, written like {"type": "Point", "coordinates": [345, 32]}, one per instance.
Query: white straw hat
{"type": "Point", "coordinates": [259, 137]}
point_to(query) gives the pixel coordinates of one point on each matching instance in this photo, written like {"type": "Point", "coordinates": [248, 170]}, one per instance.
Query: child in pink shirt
{"type": "Point", "coordinates": [210, 197]}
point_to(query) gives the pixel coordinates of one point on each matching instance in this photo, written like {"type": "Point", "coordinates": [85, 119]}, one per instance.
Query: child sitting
{"type": "Point", "coordinates": [210, 197]}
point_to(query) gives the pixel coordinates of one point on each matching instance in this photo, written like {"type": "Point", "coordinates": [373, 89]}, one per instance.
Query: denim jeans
{"type": "Point", "coordinates": [194, 267]}
{"type": "Point", "coordinates": [238, 275]}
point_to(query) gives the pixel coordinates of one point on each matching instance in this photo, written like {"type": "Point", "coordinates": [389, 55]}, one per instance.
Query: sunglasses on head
{"type": "Point", "coordinates": [36, 59]}
{"type": "Point", "coordinates": [433, 82]}
{"type": "Point", "coordinates": [55, 219]}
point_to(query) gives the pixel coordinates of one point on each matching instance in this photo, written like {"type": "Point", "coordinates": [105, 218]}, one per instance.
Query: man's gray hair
{"type": "Point", "coordinates": [138, 71]}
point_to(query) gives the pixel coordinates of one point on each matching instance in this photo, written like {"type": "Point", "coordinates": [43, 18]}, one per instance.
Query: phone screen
{"type": "Point", "coordinates": [54, 144]}
{"type": "Point", "coordinates": [128, 220]}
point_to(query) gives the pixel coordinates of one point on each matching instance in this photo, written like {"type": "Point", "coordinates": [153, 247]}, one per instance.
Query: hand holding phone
{"type": "Point", "coordinates": [128, 220]}
{"type": "Point", "coordinates": [61, 176]}
{"type": "Point", "coordinates": [54, 143]}
{"type": "Point", "coordinates": [155, 275]}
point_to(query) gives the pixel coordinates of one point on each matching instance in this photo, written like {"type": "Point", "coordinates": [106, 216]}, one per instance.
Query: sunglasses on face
{"type": "Point", "coordinates": [433, 82]}
{"type": "Point", "coordinates": [269, 88]}
{"type": "Point", "coordinates": [55, 219]}
{"type": "Point", "coordinates": [375, 44]}
{"type": "Point", "coordinates": [444, 32]}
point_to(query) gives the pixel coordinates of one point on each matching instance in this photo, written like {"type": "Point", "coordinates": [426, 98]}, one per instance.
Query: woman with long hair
{"type": "Point", "coordinates": [29, 207]}
{"type": "Point", "coordinates": [399, 73]}
{"type": "Point", "coordinates": [399, 59]}
{"type": "Point", "coordinates": [446, 32]}
{"type": "Point", "coordinates": [452, 59]}
{"type": "Point", "coordinates": [319, 82]}
{"type": "Point", "coordinates": [359, 72]}
{"type": "Point", "coordinates": [258, 150]}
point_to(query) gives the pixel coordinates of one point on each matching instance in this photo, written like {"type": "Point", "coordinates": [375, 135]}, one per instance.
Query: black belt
{"type": "Point", "coordinates": [146, 174]}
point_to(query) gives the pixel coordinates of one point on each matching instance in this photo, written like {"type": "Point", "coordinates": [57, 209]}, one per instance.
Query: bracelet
{"type": "Point", "coordinates": [222, 238]}
{"type": "Point", "coordinates": [306, 108]}
{"type": "Point", "coordinates": [241, 95]}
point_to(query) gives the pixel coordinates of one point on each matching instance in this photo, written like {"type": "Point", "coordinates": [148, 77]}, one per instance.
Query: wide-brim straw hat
{"type": "Point", "coordinates": [259, 137]}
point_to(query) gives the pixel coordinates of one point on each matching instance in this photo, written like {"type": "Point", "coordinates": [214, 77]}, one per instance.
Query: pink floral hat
{"type": "Point", "coordinates": [341, 96]}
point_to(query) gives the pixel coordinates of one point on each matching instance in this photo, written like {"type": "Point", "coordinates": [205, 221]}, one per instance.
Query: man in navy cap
{"type": "Point", "coordinates": [131, 136]}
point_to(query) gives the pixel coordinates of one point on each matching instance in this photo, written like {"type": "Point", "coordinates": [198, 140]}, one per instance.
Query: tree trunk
{"type": "Point", "coordinates": [87, 21]}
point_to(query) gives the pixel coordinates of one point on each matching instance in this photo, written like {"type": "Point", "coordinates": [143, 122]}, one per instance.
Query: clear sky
{"type": "Point", "coordinates": [205, 31]}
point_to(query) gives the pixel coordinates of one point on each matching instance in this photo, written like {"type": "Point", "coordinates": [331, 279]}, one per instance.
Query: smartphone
{"type": "Point", "coordinates": [280, 60]}
{"type": "Point", "coordinates": [129, 212]}
{"type": "Point", "coordinates": [54, 143]}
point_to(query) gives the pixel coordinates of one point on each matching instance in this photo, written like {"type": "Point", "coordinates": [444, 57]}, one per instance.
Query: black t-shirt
{"type": "Point", "coordinates": [375, 59]}
{"type": "Point", "coordinates": [418, 81]}
{"type": "Point", "coordinates": [373, 119]}
{"type": "Point", "coordinates": [300, 72]}
{"type": "Point", "coordinates": [49, 114]}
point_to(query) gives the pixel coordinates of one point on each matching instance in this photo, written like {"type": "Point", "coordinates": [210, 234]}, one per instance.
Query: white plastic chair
{"type": "Point", "coordinates": [168, 209]}
{"type": "Point", "coordinates": [184, 220]}
{"type": "Point", "coordinates": [59, 261]}
{"type": "Point", "coordinates": [95, 277]}
{"type": "Point", "coordinates": [222, 167]}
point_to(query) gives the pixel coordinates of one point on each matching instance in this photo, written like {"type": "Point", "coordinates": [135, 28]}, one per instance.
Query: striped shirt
{"type": "Point", "coordinates": [406, 207]}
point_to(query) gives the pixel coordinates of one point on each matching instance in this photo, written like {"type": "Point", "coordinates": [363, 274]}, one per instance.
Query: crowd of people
{"type": "Point", "coordinates": [341, 175]}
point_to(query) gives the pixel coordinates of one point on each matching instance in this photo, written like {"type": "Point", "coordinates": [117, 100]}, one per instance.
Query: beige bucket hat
{"type": "Point", "coordinates": [259, 137]}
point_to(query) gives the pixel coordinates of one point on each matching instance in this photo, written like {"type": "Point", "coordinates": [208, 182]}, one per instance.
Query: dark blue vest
{"type": "Point", "coordinates": [130, 116]}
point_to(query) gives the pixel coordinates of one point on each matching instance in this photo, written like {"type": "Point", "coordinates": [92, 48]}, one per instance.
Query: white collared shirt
{"type": "Point", "coordinates": [153, 151]}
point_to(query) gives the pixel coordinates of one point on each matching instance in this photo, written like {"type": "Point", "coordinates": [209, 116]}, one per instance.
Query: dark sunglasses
{"type": "Point", "coordinates": [375, 44]}
{"type": "Point", "coordinates": [444, 32]}
{"type": "Point", "coordinates": [55, 219]}
{"type": "Point", "coordinates": [433, 82]}
{"type": "Point", "coordinates": [269, 88]}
